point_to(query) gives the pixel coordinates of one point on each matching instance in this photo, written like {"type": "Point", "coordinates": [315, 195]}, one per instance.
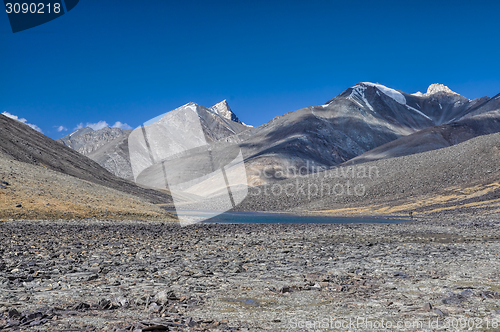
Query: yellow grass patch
{"type": "Point", "coordinates": [455, 195]}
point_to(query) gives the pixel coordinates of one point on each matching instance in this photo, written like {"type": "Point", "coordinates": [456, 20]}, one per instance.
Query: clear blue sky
{"type": "Point", "coordinates": [129, 61]}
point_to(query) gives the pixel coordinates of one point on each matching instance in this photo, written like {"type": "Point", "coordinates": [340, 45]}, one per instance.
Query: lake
{"type": "Point", "coordinates": [281, 218]}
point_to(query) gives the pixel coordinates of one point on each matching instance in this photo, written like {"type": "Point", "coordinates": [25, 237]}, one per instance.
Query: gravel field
{"type": "Point", "coordinates": [441, 272]}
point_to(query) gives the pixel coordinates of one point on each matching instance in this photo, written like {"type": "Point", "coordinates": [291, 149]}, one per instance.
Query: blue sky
{"type": "Point", "coordinates": [130, 61]}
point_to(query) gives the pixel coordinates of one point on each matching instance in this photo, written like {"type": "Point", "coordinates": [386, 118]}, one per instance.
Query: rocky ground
{"type": "Point", "coordinates": [94, 275]}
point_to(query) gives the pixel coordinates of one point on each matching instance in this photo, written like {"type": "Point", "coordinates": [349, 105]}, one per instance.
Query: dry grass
{"type": "Point", "coordinates": [46, 194]}
{"type": "Point", "coordinates": [427, 204]}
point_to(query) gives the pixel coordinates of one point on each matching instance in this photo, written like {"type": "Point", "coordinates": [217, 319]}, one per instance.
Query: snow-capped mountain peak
{"type": "Point", "coordinates": [222, 108]}
{"type": "Point", "coordinates": [436, 87]}
{"type": "Point", "coordinates": [394, 94]}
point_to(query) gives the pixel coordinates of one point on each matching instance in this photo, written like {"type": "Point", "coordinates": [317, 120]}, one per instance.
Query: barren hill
{"type": "Point", "coordinates": [35, 192]}
{"type": "Point", "coordinates": [58, 181]}
{"type": "Point", "coordinates": [22, 143]}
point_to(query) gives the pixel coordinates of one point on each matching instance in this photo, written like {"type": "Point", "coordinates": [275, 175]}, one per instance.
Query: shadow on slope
{"type": "Point", "coordinates": [463, 176]}
{"type": "Point", "coordinates": [434, 138]}
{"type": "Point", "coordinates": [35, 192]}
{"type": "Point", "coordinates": [21, 143]}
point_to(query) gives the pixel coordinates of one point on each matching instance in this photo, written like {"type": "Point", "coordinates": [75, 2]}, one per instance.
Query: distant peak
{"type": "Point", "coordinates": [85, 129]}
{"type": "Point", "coordinates": [222, 108]}
{"type": "Point", "coordinates": [435, 88]}
{"type": "Point", "coordinates": [221, 105]}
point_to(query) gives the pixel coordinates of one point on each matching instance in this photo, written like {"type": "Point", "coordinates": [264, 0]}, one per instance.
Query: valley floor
{"type": "Point", "coordinates": [133, 276]}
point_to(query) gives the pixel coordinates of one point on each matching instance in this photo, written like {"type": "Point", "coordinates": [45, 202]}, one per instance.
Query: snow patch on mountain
{"type": "Point", "coordinates": [355, 101]}
{"type": "Point", "coordinates": [419, 112]}
{"type": "Point", "coordinates": [358, 94]}
{"type": "Point", "coordinates": [192, 107]}
{"type": "Point", "coordinates": [396, 95]}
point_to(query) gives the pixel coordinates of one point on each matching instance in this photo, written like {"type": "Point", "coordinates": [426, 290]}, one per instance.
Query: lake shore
{"type": "Point", "coordinates": [125, 275]}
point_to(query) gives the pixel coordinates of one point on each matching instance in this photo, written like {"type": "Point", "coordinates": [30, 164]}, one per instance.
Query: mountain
{"type": "Point", "coordinates": [410, 174]}
{"type": "Point", "coordinates": [109, 146]}
{"type": "Point", "coordinates": [367, 121]}
{"type": "Point", "coordinates": [367, 125]}
{"type": "Point", "coordinates": [482, 119]}
{"type": "Point", "coordinates": [106, 146]}
{"type": "Point", "coordinates": [460, 178]}
{"type": "Point", "coordinates": [222, 108]}
{"type": "Point", "coordinates": [86, 140]}
{"type": "Point", "coordinates": [20, 143]}
{"type": "Point", "coordinates": [185, 131]}
{"type": "Point", "coordinates": [362, 118]}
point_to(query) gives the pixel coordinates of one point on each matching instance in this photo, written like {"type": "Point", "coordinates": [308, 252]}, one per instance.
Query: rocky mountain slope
{"type": "Point", "coordinates": [464, 177]}
{"type": "Point", "coordinates": [362, 118]}
{"type": "Point", "coordinates": [36, 192]}
{"type": "Point", "coordinates": [109, 146]}
{"type": "Point", "coordinates": [18, 142]}
{"type": "Point", "coordinates": [86, 140]}
{"type": "Point", "coordinates": [367, 121]}
{"type": "Point", "coordinates": [434, 138]}
{"type": "Point", "coordinates": [114, 156]}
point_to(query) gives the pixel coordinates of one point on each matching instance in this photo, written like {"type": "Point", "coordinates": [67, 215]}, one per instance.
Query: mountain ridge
{"type": "Point", "coordinates": [109, 147]}
{"type": "Point", "coordinates": [21, 143]}
{"type": "Point", "coordinates": [364, 117]}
